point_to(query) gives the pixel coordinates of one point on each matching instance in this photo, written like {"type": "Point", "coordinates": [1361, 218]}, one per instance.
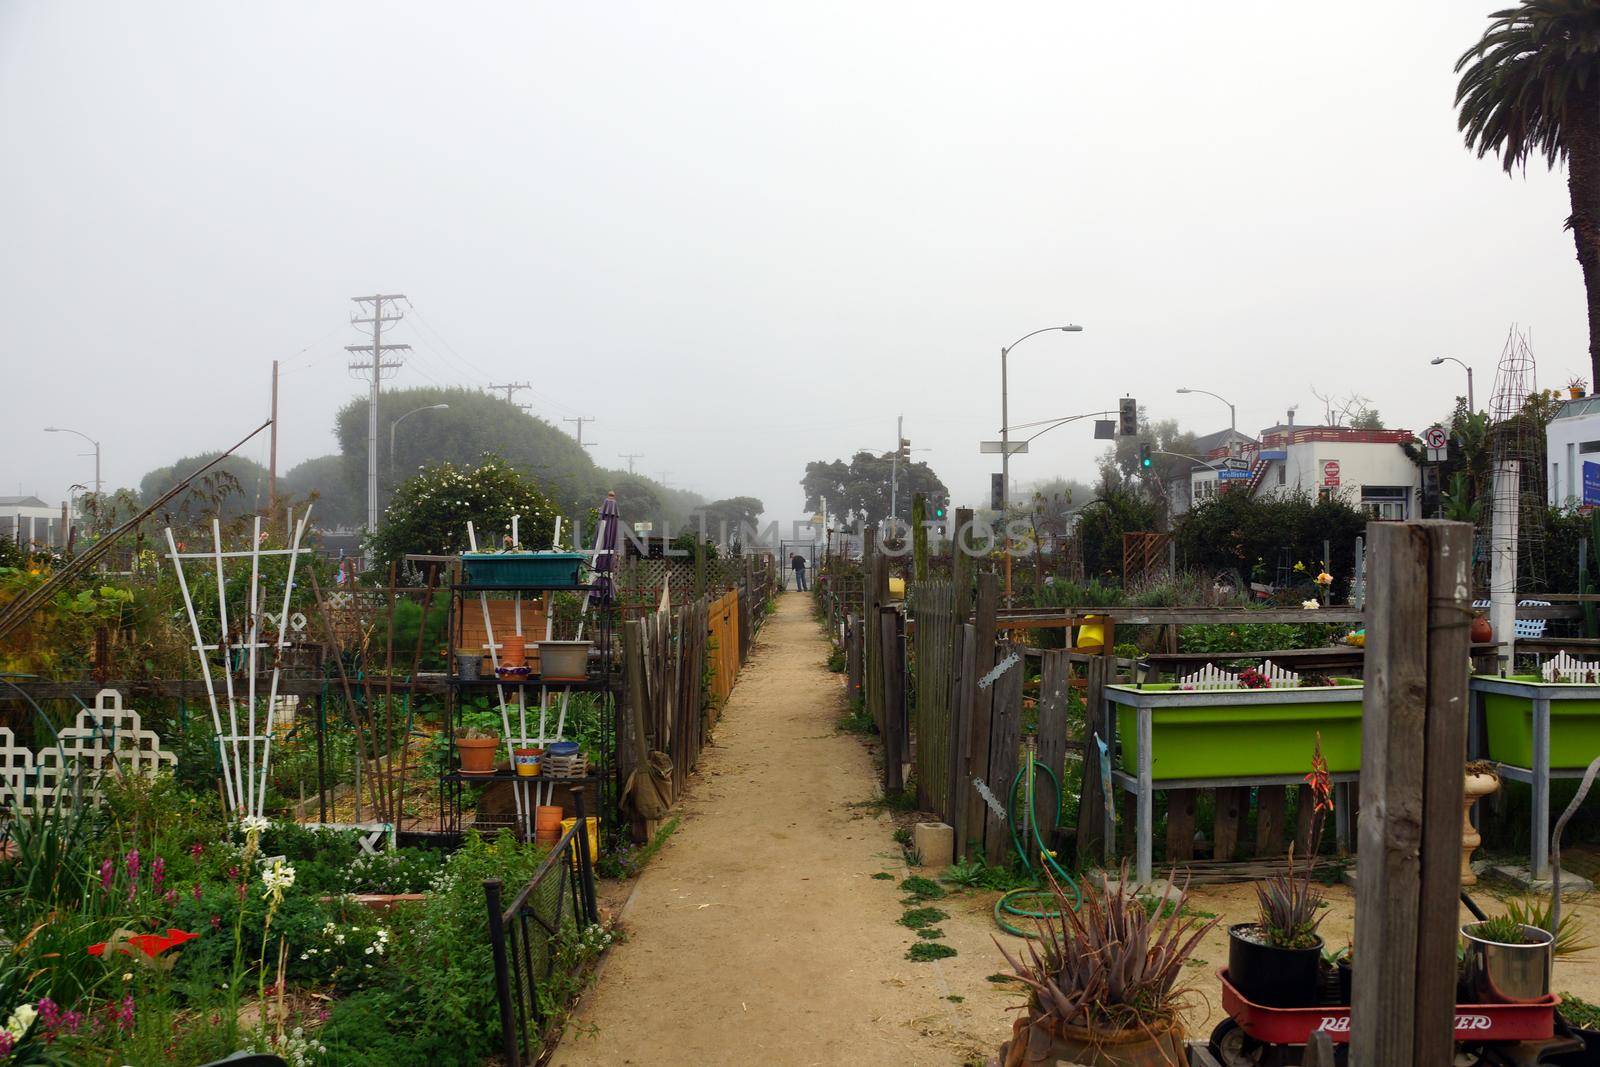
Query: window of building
{"type": "Point", "coordinates": [1588, 447]}
{"type": "Point", "coordinates": [1283, 473]}
{"type": "Point", "coordinates": [1385, 501]}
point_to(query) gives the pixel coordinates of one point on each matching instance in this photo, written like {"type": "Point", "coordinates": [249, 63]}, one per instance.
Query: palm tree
{"type": "Point", "coordinates": [1532, 87]}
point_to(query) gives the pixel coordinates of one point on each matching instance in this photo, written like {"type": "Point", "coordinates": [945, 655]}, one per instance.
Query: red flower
{"type": "Point", "coordinates": [151, 945]}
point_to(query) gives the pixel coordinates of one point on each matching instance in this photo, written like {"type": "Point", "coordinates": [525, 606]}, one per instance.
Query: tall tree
{"type": "Point", "coordinates": [860, 491]}
{"type": "Point", "coordinates": [1531, 86]}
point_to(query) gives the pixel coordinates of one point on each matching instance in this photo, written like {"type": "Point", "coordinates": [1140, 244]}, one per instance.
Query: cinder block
{"type": "Point", "coordinates": [935, 842]}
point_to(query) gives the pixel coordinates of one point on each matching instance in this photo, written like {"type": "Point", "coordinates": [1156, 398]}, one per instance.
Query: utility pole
{"type": "Point", "coordinates": [511, 389]}
{"type": "Point", "coordinates": [902, 447]}
{"type": "Point", "coordinates": [630, 457]}
{"type": "Point", "coordinates": [580, 420]}
{"type": "Point", "coordinates": [374, 365]}
{"type": "Point", "coordinates": [272, 462]}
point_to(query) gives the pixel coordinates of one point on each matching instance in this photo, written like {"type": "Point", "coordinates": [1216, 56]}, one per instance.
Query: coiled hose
{"type": "Point", "coordinates": [1030, 902]}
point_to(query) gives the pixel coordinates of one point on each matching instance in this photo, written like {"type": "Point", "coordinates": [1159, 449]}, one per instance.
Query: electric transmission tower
{"type": "Point", "coordinates": [378, 362]}
{"type": "Point", "coordinates": [511, 389]}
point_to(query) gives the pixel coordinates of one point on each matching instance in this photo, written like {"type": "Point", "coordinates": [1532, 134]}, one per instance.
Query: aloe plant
{"type": "Point", "coordinates": [1108, 966]}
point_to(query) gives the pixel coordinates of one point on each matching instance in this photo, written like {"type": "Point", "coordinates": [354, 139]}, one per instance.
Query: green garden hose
{"type": "Point", "coordinates": [1040, 900]}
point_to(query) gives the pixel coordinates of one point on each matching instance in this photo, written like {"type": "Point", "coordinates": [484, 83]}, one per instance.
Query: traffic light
{"type": "Point", "coordinates": [1145, 459]}
{"type": "Point", "coordinates": [997, 492]}
{"type": "Point", "coordinates": [905, 449]}
{"type": "Point", "coordinates": [938, 512]}
{"type": "Point", "coordinates": [1127, 416]}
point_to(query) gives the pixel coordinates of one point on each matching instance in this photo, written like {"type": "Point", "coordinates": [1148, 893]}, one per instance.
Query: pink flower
{"type": "Point", "coordinates": [133, 864]}
{"type": "Point", "coordinates": [124, 1015]}
{"type": "Point", "coordinates": [216, 921]}
{"type": "Point", "coordinates": [106, 871]}
{"type": "Point", "coordinates": [171, 898]}
{"type": "Point", "coordinates": [196, 849]}
{"type": "Point", "coordinates": [6, 1043]}
{"type": "Point", "coordinates": [197, 891]}
{"type": "Point", "coordinates": [158, 873]}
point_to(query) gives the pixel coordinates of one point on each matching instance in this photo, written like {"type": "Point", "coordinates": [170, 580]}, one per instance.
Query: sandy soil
{"type": "Point", "coordinates": [758, 934]}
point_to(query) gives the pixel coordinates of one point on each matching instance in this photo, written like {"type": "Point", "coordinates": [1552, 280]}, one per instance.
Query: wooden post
{"type": "Point", "coordinates": [894, 699]}
{"type": "Point", "coordinates": [961, 565]}
{"type": "Point", "coordinates": [871, 671]}
{"type": "Point", "coordinates": [982, 706]}
{"type": "Point", "coordinates": [852, 657]}
{"type": "Point", "coordinates": [1092, 841]}
{"type": "Point", "coordinates": [919, 537]}
{"type": "Point", "coordinates": [1054, 671]}
{"type": "Point", "coordinates": [1413, 746]}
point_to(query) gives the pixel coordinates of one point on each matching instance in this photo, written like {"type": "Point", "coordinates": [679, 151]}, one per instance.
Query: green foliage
{"type": "Point", "coordinates": [1501, 928]}
{"type": "Point", "coordinates": [859, 491]}
{"type": "Point", "coordinates": [1102, 522]}
{"type": "Point", "coordinates": [928, 951]}
{"type": "Point", "coordinates": [917, 918]}
{"type": "Point", "coordinates": [856, 720]}
{"type": "Point", "coordinates": [1580, 1012]}
{"type": "Point", "coordinates": [236, 486]}
{"type": "Point", "coordinates": [1536, 911]}
{"type": "Point", "coordinates": [430, 511]}
{"type": "Point", "coordinates": [836, 661]}
{"type": "Point", "coordinates": [1230, 532]}
{"type": "Point", "coordinates": [976, 874]}
{"type": "Point", "coordinates": [883, 876]}
{"type": "Point", "coordinates": [1255, 637]}
{"type": "Point", "coordinates": [920, 888]}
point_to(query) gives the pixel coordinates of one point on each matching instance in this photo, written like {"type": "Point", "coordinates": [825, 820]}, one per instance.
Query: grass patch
{"type": "Point", "coordinates": [927, 951]}
{"type": "Point", "coordinates": [955, 998]}
{"type": "Point", "coordinates": [884, 876]}
{"type": "Point", "coordinates": [836, 662]}
{"type": "Point", "coordinates": [902, 835]}
{"type": "Point", "coordinates": [930, 932]}
{"type": "Point", "coordinates": [917, 918]}
{"type": "Point", "coordinates": [1580, 1012]}
{"type": "Point", "coordinates": [1167, 908]}
{"type": "Point", "coordinates": [856, 720]}
{"type": "Point", "coordinates": [920, 888]}
{"type": "Point", "coordinates": [997, 978]}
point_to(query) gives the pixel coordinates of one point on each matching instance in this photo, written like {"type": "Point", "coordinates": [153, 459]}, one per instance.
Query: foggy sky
{"type": "Point", "coordinates": [746, 236]}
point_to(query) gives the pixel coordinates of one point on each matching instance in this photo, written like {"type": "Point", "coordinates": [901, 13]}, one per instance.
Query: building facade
{"type": "Point", "coordinates": [1367, 469]}
{"type": "Point", "coordinates": [1572, 451]}
{"type": "Point", "coordinates": [27, 520]}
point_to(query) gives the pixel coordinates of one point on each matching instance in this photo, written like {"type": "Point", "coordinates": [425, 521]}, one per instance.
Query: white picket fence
{"type": "Point", "coordinates": [1213, 677]}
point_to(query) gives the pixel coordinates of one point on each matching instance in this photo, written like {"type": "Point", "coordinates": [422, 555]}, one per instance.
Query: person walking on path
{"type": "Point", "coordinates": [798, 562]}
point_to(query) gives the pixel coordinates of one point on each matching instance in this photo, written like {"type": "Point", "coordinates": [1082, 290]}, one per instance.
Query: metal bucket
{"type": "Point", "coordinates": [467, 664]}
{"type": "Point", "coordinates": [1497, 973]}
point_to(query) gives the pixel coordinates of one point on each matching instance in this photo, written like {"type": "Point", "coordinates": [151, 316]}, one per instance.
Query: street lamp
{"type": "Point", "coordinates": [1436, 360]}
{"type": "Point", "coordinates": [398, 421]}
{"type": "Point", "coordinates": [1233, 416]}
{"type": "Point", "coordinates": [1005, 414]}
{"type": "Point", "coordinates": [62, 429]}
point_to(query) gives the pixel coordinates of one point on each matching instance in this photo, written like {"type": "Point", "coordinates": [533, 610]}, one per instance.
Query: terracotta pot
{"type": "Point", "coordinates": [477, 754]}
{"type": "Point", "coordinates": [513, 650]}
{"type": "Point", "coordinates": [1481, 632]}
{"type": "Point", "coordinates": [547, 823]}
{"type": "Point", "coordinates": [1161, 1046]}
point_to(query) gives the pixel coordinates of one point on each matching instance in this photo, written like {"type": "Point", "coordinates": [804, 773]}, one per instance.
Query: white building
{"type": "Point", "coordinates": [1366, 468]}
{"type": "Point", "coordinates": [29, 520]}
{"type": "Point", "coordinates": [1572, 444]}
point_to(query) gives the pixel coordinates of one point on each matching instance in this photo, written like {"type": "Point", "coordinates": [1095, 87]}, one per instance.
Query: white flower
{"type": "Point", "coordinates": [277, 878]}
{"type": "Point", "coordinates": [1310, 605]}
{"type": "Point", "coordinates": [254, 824]}
{"type": "Point", "coordinates": [20, 1020]}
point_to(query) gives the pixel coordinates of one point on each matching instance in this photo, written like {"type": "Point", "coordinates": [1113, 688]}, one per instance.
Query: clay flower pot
{"type": "Point", "coordinates": [477, 754]}
{"type": "Point", "coordinates": [1482, 632]}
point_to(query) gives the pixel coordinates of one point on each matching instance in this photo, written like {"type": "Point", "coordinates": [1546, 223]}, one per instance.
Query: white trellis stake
{"type": "Point", "coordinates": [244, 775]}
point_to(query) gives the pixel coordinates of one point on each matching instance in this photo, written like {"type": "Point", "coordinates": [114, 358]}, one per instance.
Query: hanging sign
{"type": "Point", "coordinates": [1330, 472]}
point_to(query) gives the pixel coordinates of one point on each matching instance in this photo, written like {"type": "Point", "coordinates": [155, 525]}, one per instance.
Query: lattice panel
{"type": "Point", "coordinates": [16, 771]}
{"type": "Point", "coordinates": [107, 738]}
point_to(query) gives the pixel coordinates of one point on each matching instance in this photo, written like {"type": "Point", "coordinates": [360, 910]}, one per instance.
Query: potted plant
{"type": "Point", "coordinates": [1105, 982]}
{"type": "Point", "coordinates": [477, 747]}
{"type": "Point", "coordinates": [1274, 960]}
{"type": "Point", "coordinates": [1507, 962]}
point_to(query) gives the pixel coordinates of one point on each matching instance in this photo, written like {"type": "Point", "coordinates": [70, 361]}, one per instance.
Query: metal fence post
{"type": "Point", "coordinates": [502, 974]}
{"type": "Point", "coordinates": [585, 861]}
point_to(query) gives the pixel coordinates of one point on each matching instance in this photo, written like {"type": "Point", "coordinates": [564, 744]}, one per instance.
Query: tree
{"type": "Point", "coordinates": [1531, 86]}
{"type": "Point", "coordinates": [322, 481]}
{"type": "Point", "coordinates": [236, 486]}
{"type": "Point", "coordinates": [1103, 521]}
{"type": "Point", "coordinates": [860, 491]}
{"type": "Point", "coordinates": [431, 509]}
{"type": "Point", "coordinates": [726, 519]}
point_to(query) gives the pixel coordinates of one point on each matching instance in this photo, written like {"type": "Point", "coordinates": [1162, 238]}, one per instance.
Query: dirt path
{"type": "Point", "coordinates": [759, 935]}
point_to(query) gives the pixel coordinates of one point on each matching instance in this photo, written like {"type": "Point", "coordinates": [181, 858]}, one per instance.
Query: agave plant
{"type": "Point", "coordinates": [1289, 907]}
{"type": "Point", "coordinates": [1109, 966]}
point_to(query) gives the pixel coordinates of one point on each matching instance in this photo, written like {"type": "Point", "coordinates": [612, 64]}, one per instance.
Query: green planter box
{"type": "Point", "coordinates": [1508, 721]}
{"type": "Point", "coordinates": [507, 569]}
{"type": "Point", "coordinates": [1238, 733]}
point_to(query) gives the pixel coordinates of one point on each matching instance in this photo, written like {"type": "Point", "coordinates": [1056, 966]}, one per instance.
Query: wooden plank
{"type": "Point", "coordinates": [1092, 798]}
{"type": "Point", "coordinates": [1014, 617]}
{"type": "Point", "coordinates": [1004, 743]}
{"type": "Point", "coordinates": [1270, 801]}
{"type": "Point", "coordinates": [961, 566]}
{"type": "Point", "coordinates": [894, 708]}
{"type": "Point", "coordinates": [1053, 707]}
{"type": "Point", "coordinates": [962, 694]}
{"type": "Point", "coordinates": [852, 657]}
{"type": "Point", "coordinates": [1232, 805]}
{"type": "Point", "coordinates": [1391, 794]}
{"type": "Point", "coordinates": [1180, 824]}
{"type": "Point", "coordinates": [982, 707]}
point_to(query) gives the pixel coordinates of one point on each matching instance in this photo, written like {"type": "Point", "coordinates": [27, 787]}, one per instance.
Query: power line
{"type": "Point", "coordinates": [630, 457]}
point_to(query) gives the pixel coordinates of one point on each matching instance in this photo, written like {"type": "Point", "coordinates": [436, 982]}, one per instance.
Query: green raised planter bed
{"type": "Point", "coordinates": [507, 569]}
{"type": "Point", "coordinates": [1238, 733]}
{"type": "Point", "coordinates": [1508, 721]}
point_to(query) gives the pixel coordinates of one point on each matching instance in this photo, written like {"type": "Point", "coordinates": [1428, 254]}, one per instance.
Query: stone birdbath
{"type": "Point", "coordinates": [1481, 781]}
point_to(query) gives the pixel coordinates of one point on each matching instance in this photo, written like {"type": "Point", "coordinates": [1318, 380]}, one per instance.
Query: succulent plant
{"type": "Point", "coordinates": [1108, 966]}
